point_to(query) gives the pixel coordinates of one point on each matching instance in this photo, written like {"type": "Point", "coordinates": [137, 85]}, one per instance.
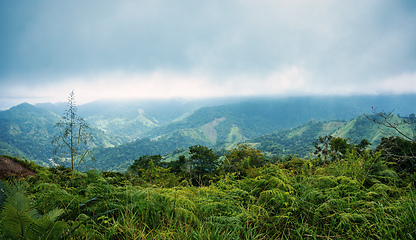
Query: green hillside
{"type": "Point", "coordinates": [299, 141]}
{"type": "Point", "coordinates": [361, 127]}
{"type": "Point", "coordinates": [296, 141]}
{"type": "Point", "coordinates": [120, 157]}
{"type": "Point", "coordinates": [27, 131]}
{"type": "Point", "coordinates": [356, 196]}
{"type": "Point", "coordinates": [124, 131]}
{"type": "Point", "coordinates": [231, 123]}
{"type": "Point", "coordinates": [127, 120]}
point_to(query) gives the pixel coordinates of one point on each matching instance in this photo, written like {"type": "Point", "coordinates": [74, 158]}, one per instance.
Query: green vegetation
{"type": "Point", "coordinates": [21, 221]}
{"type": "Point", "coordinates": [213, 174]}
{"type": "Point", "coordinates": [71, 143]}
{"type": "Point", "coordinates": [355, 194]}
{"type": "Point", "coordinates": [27, 132]}
{"type": "Point", "coordinates": [299, 141]}
{"type": "Point", "coordinates": [126, 130]}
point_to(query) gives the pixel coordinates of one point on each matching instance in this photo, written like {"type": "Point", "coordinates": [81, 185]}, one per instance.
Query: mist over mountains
{"type": "Point", "coordinates": [125, 130]}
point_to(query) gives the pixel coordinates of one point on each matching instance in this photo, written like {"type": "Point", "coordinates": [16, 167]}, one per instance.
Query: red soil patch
{"type": "Point", "coordinates": [8, 167]}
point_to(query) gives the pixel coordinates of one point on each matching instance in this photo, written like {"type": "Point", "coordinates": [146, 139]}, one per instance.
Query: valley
{"type": "Point", "coordinates": [126, 130]}
{"type": "Point", "coordinates": [245, 170]}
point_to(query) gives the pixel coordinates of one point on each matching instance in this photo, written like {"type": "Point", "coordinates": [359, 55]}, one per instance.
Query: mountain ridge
{"type": "Point", "coordinates": [26, 130]}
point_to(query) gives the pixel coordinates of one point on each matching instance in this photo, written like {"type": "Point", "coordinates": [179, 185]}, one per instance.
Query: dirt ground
{"type": "Point", "coordinates": [9, 167]}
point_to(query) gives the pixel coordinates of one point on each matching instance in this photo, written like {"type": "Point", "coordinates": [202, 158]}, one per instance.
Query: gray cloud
{"type": "Point", "coordinates": [332, 42]}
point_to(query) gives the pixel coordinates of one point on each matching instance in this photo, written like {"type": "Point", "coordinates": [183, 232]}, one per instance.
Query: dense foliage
{"type": "Point", "coordinates": [124, 131]}
{"type": "Point", "coordinates": [356, 195]}
{"type": "Point", "coordinates": [400, 153]}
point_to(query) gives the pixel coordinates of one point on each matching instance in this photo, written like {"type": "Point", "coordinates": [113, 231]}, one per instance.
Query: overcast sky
{"type": "Point", "coordinates": [117, 49]}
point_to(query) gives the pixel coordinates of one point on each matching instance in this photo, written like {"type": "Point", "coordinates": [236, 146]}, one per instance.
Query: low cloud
{"type": "Point", "coordinates": [292, 81]}
{"type": "Point", "coordinates": [206, 48]}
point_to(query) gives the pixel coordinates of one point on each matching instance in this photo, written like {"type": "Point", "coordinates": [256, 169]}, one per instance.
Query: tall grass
{"type": "Point", "coordinates": [355, 197]}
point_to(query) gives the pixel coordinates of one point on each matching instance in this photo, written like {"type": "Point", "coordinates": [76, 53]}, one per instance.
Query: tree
{"type": "Point", "coordinates": [202, 163]}
{"type": "Point", "coordinates": [177, 166]}
{"type": "Point", "coordinates": [334, 148]}
{"type": "Point", "coordinates": [71, 143]}
{"type": "Point", "coordinates": [400, 150]}
{"type": "Point", "coordinates": [241, 159]}
{"type": "Point", "coordinates": [322, 147]}
{"type": "Point", "coordinates": [144, 162]}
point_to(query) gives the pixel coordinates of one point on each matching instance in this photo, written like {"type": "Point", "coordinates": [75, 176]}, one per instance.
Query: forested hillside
{"type": "Point", "coordinates": [299, 141]}
{"type": "Point", "coordinates": [315, 180]}
{"type": "Point", "coordinates": [129, 119]}
{"type": "Point", "coordinates": [27, 131]}
{"type": "Point", "coordinates": [295, 141]}
{"type": "Point", "coordinates": [351, 193]}
{"type": "Point", "coordinates": [123, 131]}
{"type": "Point", "coordinates": [240, 121]}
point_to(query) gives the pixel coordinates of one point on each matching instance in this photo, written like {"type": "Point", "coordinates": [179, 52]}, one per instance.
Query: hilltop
{"type": "Point", "coordinates": [13, 167]}
{"type": "Point", "coordinates": [126, 130]}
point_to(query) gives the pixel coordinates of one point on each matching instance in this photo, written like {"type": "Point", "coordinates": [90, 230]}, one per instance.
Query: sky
{"type": "Point", "coordinates": [214, 48]}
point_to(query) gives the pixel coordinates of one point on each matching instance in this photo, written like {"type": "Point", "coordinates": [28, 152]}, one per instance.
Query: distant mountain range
{"type": "Point", "coordinates": [125, 130]}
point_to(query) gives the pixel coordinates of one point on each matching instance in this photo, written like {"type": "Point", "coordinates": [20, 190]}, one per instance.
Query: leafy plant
{"type": "Point", "coordinates": [21, 221]}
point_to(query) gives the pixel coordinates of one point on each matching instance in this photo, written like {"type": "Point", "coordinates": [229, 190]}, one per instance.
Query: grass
{"type": "Point", "coordinates": [356, 197]}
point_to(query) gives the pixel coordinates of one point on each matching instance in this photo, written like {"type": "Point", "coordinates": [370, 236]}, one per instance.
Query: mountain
{"type": "Point", "coordinates": [233, 123]}
{"type": "Point", "coordinates": [224, 119]}
{"type": "Point", "coordinates": [27, 131]}
{"type": "Point", "coordinates": [125, 130]}
{"type": "Point", "coordinates": [128, 120]}
{"type": "Point", "coordinates": [361, 127]}
{"type": "Point", "coordinates": [299, 141]}
{"type": "Point", "coordinates": [296, 140]}
{"type": "Point", "coordinates": [223, 127]}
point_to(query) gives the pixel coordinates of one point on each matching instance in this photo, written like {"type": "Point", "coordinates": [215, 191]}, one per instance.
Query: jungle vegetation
{"type": "Point", "coordinates": [125, 130]}
{"type": "Point", "coordinates": [345, 191]}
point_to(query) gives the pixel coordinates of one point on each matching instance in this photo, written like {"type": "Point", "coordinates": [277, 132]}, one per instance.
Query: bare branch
{"type": "Point", "coordinates": [386, 120]}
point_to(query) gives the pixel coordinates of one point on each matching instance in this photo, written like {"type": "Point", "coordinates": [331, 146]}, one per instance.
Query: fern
{"type": "Point", "coordinates": [21, 221]}
{"type": "Point", "coordinates": [186, 216]}
{"type": "Point", "coordinates": [15, 223]}
{"type": "Point", "coordinates": [349, 220]}
{"type": "Point", "coordinates": [275, 198]}
{"type": "Point", "coordinates": [47, 227]}
{"type": "Point", "coordinates": [17, 214]}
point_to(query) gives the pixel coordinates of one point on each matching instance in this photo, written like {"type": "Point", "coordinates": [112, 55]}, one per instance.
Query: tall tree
{"type": "Point", "coordinates": [241, 159]}
{"type": "Point", "coordinates": [202, 163]}
{"type": "Point", "coordinates": [74, 135]}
